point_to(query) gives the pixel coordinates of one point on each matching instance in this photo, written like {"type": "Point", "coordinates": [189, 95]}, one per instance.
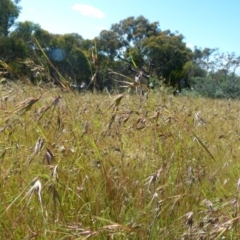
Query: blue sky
{"type": "Point", "coordinates": [204, 23]}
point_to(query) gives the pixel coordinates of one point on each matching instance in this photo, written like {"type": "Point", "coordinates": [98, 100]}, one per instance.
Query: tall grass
{"type": "Point", "coordinates": [89, 166]}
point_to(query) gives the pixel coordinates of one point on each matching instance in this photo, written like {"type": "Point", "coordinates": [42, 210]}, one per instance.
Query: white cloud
{"type": "Point", "coordinates": [88, 10]}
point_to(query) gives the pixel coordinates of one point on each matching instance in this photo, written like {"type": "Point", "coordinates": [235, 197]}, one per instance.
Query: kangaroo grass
{"type": "Point", "coordinates": [87, 166]}
{"type": "Point", "coordinates": [205, 148]}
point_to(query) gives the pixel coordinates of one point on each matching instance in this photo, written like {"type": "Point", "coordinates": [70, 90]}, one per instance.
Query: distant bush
{"type": "Point", "coordinates": [217, 88]}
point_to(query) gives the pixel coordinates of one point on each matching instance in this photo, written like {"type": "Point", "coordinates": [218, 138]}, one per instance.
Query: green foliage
{"type": "Point", "coordinates": [108, 44]}
{"type": "Point", "coordinates": [144, 44]}
{"type": "Point", "coordinates": [160, 55]}
{"type": "Point", "coordinates": [12, 48]}
{"type": "Point", "coordinates": [131, 31]}
{"type": "Point", "coordinates": [25, 31]}
{"type": "Point", "coordinates": [9, 12]}
{"type": "Point", "coordinates": [213, 88]}
{"type": "Point", "coordinates": [169, 53]}
{"type": "Point", "coordinates": [79, 64]}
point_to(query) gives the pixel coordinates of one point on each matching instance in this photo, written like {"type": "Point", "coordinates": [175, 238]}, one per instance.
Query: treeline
{"type": "Point", "coordinates": [134, 44]}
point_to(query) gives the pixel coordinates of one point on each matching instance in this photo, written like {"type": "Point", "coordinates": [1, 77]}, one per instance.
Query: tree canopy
{"type": "Point", "coordinates": [9, 11]}
{"type": "Point", "coordinates": [134, 44]}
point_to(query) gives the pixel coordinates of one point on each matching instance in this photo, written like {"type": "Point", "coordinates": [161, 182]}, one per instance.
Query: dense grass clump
{"type": "Point", "coordinates": [117, 167]}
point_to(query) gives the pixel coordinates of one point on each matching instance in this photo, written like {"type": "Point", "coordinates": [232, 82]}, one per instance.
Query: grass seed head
{"type": "Point", "coordinates": [48, 158]}
{"type": "Point", "coordinates": [38, 146]}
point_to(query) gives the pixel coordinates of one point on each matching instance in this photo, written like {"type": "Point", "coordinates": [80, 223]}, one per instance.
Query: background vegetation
{"type": "Point", "coordinates": [132, 44]}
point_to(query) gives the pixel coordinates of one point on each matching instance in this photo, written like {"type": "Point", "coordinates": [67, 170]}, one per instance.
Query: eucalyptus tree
{"type": "Point", "coordinates": [9, 12]}
{"type": "Point", "coordinates": [169, 53]}
{"type": "Point", "coordinates": [123, 41]}
{"type": "Point", "coordinates": [108, 44]}
{"type": "Point", "coordinates": [26, 32]}
{"type": "Point", "coordinates": [11, 49]}
{"type": "Point", "coordinates": [131, 31]}
{"type": "Point", "coordinates": [126, 34]}
{"type": "Point", "coordinates": [162, 54]}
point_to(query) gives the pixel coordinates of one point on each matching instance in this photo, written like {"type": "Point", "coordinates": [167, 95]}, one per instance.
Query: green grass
{"type": "Point", "coordinates": [117, 168]}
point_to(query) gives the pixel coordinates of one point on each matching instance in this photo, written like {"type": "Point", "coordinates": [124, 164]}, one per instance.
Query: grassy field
{"type": "Point", "coordinates": [94, 166]}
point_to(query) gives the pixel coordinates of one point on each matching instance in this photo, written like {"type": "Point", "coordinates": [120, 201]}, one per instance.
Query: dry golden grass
{"type": "Point", "coordinates": [92, 166]}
